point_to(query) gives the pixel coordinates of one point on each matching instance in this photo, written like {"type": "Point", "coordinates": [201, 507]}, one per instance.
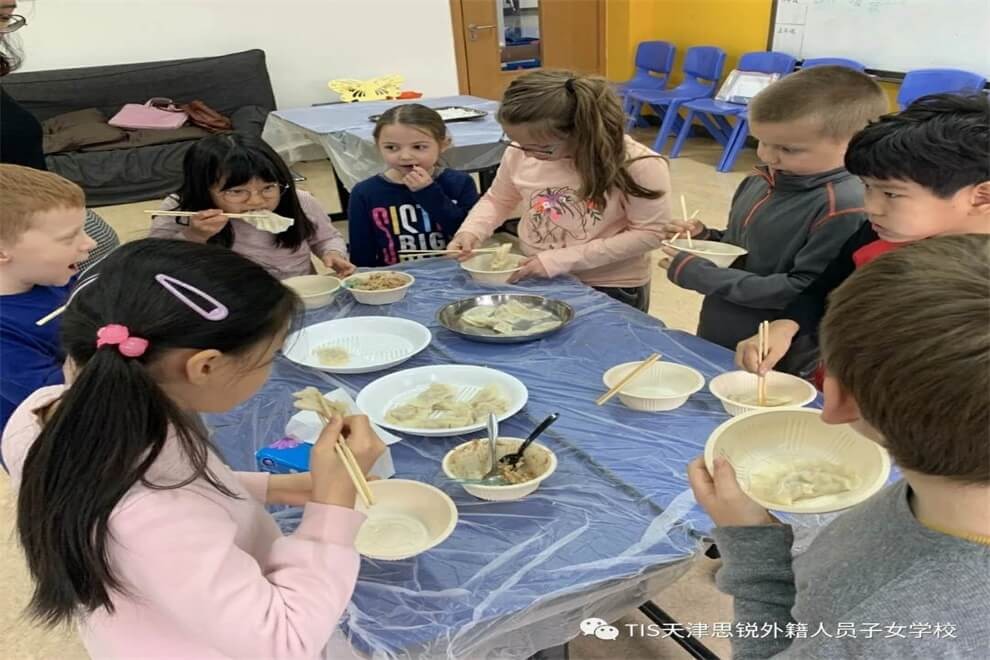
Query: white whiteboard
{"type": "Point", "coordinates": [888, 35]}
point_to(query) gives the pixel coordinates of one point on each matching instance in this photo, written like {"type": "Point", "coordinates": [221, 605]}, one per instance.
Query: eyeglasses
{"type": "Point", "coordinates": [12, 23]}
{"type": "Point", "coordinates": [529, 150]}
{"type": "Point", "coordinates": [241, 195]}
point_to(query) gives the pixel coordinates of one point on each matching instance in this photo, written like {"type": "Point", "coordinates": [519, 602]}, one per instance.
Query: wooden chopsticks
{"type": "Point", "coordinates": [628, 377]}
{"type": "Point", "coordinates": [48, 317]}
{"type": "Point", "coordinates": [189, 214]}
{"type": "Point", "coordinates": [344, 453]}
{"type": "Point", "coordinates": [763, 337]}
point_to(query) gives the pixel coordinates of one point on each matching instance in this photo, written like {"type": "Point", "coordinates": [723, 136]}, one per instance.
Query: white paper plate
{"type": "Point", "coordinates": [382, 395]}
{"type": "Point", "coordinates": [373, 343]}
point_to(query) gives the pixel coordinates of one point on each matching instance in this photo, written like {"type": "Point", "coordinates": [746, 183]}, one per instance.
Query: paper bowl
{"type": "Point", "coordinates": [469, 460]}
{"type": "Point", "coordinates": [381, 296]}
{"type": "Point", "coordinates": [720, 254]}
{"type": "Point", "coordinates": [407, 519]}
{"type": "Point", "coordinates": [662, 386]}
{"type": "Point", "coordinates": [478, 267]}
{"type": "Point", "coordinates": [315, 291]}
{"type": "Point", "coordinates": [732, 386]}
{"type": "Point", "coordinates": [753, 440]}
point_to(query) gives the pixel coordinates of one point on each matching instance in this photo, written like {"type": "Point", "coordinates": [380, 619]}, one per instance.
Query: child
{"type": "Point", "coordinates": [793, 215]}
{"type": "Point", "coordinates": [42, 242]}
{"type": "Point", "coordinates": [129, 520]}
{"type": "Point", "coordinates": [927, 173]}
{"type": "Point", "coordinates": [414, 204]}
{"type": "Point", "coordinates": [907, 355]}
{"type": "Point", "coordinates": [595, 200]}
{"type": "Point", "coordinates": [234, 173]}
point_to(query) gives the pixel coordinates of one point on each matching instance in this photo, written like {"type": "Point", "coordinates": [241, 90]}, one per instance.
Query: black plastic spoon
{"type": "Point", "coordinates": [514, 458]}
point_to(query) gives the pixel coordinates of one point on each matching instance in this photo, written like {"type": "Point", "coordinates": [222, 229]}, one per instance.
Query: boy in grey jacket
{"type": "Point", "coordinates": [905, 574]}
{"type": "Point", "coordinates": [795, 213]}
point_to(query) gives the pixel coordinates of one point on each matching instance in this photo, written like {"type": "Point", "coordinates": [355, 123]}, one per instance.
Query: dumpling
{"type": "Point", "coordinates": [501, 260]}
{"type": "Point", "coordinates": [787, 483]}
{"type": "Point", "coordinates": [269, 221]}
{"type": "Point", "coordinates": [332, 356]}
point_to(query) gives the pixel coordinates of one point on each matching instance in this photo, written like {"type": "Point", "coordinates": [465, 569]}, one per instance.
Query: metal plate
{"type": "Point", "coordinates": [449, 317]}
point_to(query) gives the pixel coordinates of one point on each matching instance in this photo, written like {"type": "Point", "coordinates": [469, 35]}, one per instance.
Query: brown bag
{"type": "Point", "coordinates": [206, 117]}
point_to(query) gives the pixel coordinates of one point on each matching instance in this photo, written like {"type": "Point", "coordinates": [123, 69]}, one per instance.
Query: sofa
{"type": "Point", "coordinates": [236, 85]}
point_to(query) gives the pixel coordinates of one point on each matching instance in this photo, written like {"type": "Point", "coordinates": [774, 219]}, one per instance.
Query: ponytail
{"type": "Point", "coordinates": [586, 111]}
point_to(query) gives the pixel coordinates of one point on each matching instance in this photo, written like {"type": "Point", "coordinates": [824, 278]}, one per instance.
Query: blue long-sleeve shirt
{"type": "Point", "coordinates": [30, 355]}
{"type": "Point", "coordinates": [384, 218]}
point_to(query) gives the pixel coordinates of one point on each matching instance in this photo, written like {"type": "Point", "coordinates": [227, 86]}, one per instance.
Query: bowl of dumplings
{"type": "Point", "coordinates": [737, 390]}
{"type": "Point", "coordinates": [315, 291]}
{"type": "Point", "coordinates": [790, 460]}
{"type": "Point", "coordinates": [494, 267]}
{"type": "Point", "coordinates": [381, 287]}
{"type": "Point", "coordinates": [505, 318]}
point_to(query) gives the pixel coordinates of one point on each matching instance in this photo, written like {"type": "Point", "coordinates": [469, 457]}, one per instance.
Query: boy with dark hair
{"type": "Point", "coordinates": [927, 173]}
{"type": "Point", "coordinates": [907, 357]}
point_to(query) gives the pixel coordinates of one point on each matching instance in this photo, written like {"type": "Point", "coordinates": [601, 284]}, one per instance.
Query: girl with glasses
{"type": "Point", "coordinates": [234, 173]}
{"type": "Point", "coordinates": [594, 200]}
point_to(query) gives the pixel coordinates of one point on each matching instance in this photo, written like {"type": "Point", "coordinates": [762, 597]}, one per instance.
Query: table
{"type": "Point", "coordinates": [615, 522]}
{"type": "Point", "coordinates": [344, 133]}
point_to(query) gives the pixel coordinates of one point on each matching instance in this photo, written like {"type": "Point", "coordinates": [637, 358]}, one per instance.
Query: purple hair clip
{"type": "Point", "coordinates": [175, 287]}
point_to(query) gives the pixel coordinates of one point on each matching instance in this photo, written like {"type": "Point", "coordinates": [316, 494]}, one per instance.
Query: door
{"type": "Point", "coordinates": [499, 40]}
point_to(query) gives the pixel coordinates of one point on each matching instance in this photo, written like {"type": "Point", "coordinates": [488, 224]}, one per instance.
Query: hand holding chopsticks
{"type": "Point", "coordinates": [311, 399]}
{"type": "Point", "coordinates": [643, 366]}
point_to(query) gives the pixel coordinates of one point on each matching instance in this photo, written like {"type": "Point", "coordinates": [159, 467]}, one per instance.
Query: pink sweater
{"type": "Point", "coordinates": [211, 576]}
{"type": "Point", "coordinates": [259, 246]}
{"type": "Point", "coordinates": [607, 248]}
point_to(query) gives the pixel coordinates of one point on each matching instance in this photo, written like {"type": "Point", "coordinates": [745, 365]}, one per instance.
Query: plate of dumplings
{"type": "Point", "coordinates": [505, 318]}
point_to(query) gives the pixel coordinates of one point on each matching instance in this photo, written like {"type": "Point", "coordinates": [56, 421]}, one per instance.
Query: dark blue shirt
{"type": "Point", "coordinates": [384, 217]}
{"type": "Point", "coordinates": [30, 355]}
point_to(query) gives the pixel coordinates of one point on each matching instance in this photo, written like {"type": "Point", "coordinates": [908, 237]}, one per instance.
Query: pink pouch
{"type": "Point", "coordinates": [158, 113]}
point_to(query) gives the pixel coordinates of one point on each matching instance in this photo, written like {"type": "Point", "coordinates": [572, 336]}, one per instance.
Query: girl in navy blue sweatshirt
{"type": "Point", "coordinates": [414, 204]}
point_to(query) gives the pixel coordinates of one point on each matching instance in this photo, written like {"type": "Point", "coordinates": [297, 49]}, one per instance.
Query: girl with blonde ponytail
{"type": "Point", "coordinates": [595, 200]}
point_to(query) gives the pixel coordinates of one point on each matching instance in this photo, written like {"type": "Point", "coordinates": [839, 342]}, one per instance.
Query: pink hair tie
{"type": "Point", "coordinates": [120, 336]}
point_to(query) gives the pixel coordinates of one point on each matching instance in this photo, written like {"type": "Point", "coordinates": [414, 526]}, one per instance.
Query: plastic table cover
{"type": "Point", "coordinates": [344, 133]}
{"type": "Point", "coordinates": [615, 522]}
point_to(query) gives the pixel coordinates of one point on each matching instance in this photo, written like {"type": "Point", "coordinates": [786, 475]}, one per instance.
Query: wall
{"type": "Point", "coordinates": [737, 26]}
{"type": "Point", "coordinates": [308, 42]}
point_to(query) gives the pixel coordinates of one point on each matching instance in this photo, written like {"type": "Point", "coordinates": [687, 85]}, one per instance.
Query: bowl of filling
{"type": "Point", "coordinates": [495, 267]}
{"type": "Point", "coordinates": [382, 287]}
{"type": "Point", "coordinates": [315, 291]}
{"type": "Point", "coordinates": [468, 462]}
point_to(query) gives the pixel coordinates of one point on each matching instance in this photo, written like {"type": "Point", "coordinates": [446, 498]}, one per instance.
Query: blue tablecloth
{"type": "Point", "coordinates": [344, 132]}
{"type": "Point", "coordinates": [614, 523]}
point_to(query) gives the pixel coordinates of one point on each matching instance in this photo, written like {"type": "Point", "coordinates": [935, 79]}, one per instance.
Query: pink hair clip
{"type": "Point", "coordinates": [119, 336]}
{"type": "Point", "coordinates": [176, 287]}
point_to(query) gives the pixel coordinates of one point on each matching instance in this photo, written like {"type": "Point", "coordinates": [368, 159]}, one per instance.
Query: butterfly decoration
{"type": "Point", "coordinates": [375, 89]}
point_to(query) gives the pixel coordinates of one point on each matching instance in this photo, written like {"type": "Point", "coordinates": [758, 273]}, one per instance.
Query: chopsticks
{"type": "Point", "coordinates": [684, 214]}
{"type": "Point", "coordinates": [481, 251]}
{"type": "Point", "coordinates": [764, 348]}
{"type": "Point", "coordinates": [346, 455]}
{"type": "Point", "coordinates": [48, 317]}
{"type": "Point", "coordinates": [189, 214]}
{"type": "Point", "coordinates": [632, 374]}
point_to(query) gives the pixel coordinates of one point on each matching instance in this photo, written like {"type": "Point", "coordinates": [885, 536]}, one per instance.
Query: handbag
{"type": "Point", "coordinates": [206, 117]}
{"type": "Point", "coordinates": [156, 113]}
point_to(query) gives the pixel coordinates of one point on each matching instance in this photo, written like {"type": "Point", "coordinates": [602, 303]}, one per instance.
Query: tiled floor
{"type": "Point", "coordinates": [692, 599]}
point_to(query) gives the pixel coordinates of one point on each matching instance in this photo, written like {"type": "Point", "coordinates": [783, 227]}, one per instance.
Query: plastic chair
{"type": "Point", "coordinates": [921, 82]}
{"type": "Point", "coordinates": [833, 61]}
{"type": "Point", "coordinates": [702, 69]}
{"type": "Point", "coordinates": [712, 113]}
{"type": "Point", "coordinates": [654, 62]}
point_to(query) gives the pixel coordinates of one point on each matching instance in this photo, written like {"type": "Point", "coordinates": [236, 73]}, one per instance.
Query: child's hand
{"type": "Point", "coordinates": [417, 179]}
{"type": "Point", "coordinates": [204, 225]}
{"type": "Point", "coordinates": [331, 483]}
{"type": "Point", "coordinates": [722, 498]}
{"type": "Point", "coordinates": [778, 342]}
{"type": "Point", "coordinates": [531, 267]}
{"type": "Point", "coordinates": [465, 243]}
{"type": "Point", "coordinates": [674, 227]}
{"type": "Point", "coordinates": [338, 263]}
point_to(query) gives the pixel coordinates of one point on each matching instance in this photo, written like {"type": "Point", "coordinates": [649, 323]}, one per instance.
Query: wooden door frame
{"type": "Point", "coordinates": [460, 45]}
